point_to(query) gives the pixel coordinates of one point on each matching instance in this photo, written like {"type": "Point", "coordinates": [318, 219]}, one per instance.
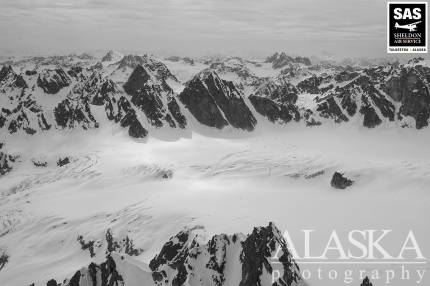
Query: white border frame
{"type": "Point", "coordinates": [409, 49]}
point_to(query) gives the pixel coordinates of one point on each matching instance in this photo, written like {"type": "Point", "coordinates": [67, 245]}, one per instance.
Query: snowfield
{"type": "Point", "coordinates": [219, 182]}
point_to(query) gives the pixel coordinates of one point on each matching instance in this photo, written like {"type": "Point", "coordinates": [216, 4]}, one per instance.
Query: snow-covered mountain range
{"type": "Point", "coordinates": [141, 93]}
{"type": "Point", "coordinates": [47, 102]}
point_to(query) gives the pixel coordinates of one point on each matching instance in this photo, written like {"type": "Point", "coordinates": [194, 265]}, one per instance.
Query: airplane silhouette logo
{"type": "Point", "coordinates": [411, 27]}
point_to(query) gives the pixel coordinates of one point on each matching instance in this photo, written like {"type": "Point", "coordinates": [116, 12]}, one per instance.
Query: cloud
{"type": "Point", "coordinates": [191, 25]}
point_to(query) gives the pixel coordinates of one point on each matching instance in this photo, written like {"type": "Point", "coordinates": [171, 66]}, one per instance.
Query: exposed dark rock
{"type": "Point", "coordinates": [371, 118]}
{"type": "Point", "coordinates": [183, 254]}
{"type": "Point", "coordinates": [174, 109]}
{"type": "Point", "coordinates": [281, 92]}
{"type": "Point", "coordinates": [4, 258]}
{"type": "Point", "coordinates": [87, 245]}
{"type": "Point", "coordinates": [104, 274]}
{"type": "Point", "coordinates": [18, 118]}
{"type": "Point", "coordinates": [311, 84]}
{"type": "Point", "coordinates": [52, 282]}
{"type": "Point", "coordinates": [146, 95]}
{"type": "Point", "coordinates": [275, 111]}
{"type": "Point", "coordinates": [413, 93]}
{"type": "Point", "coordinates": [74, 111]}
{"type": "Point", "coordinates": [258, 248]}
{"type": "Point", "coordinates": [5, 163]}
{"type": "Point", "coordinates": [52, 81]}
{"type": "Point", "coordinates": [30, 72]}
{"type": "Point", "coordinates": [63, 161]}
{"type": "Point", "coordinates": [39, 163]}
{"type": "Point", "coordinates": [330, 109]}
{"type": "Point", "coordinates": [126, 245]}
{"type": "Point", "coordinates": [339, 181]}
{"type": "Point", "coordinates": [10, 79]}
{"type": "Point", "coordinates": [216, 103]}
{"type": "Point", "coordinates": [76, 72]}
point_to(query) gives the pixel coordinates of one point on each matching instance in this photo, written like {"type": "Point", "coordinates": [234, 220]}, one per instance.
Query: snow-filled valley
{"type": "Point", "coordinates": [151, 190]}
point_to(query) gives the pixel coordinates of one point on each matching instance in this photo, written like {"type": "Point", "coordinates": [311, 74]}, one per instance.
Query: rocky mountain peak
{"type": "Point", "coordinates": [280, 60]}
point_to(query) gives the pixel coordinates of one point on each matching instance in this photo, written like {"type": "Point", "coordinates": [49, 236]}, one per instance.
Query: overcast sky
{"type": "Point", "coordinates": [342, 27]}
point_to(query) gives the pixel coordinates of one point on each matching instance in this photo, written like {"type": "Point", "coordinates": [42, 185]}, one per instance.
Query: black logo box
{"type": "Point", "coordinates": [420, 28]}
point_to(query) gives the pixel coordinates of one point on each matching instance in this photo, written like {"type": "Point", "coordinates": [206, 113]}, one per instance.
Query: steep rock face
{"type": "Point", "coordinates": [411, 88]}
{"type": "Point", "coordinates": [359, 95]}
{"type": "Point", "coordinates": [126, 116]}
{"type": "Point", "coordinates": [103, 91]}
{"type": "Point", "coordinates": [155, 98]}
{"type": "Point", "coordinates": [275, 111]}
{"type": "Point", "coordinates": [52, 81]}
{"type": "Point", "coordinates": [280, 91]}
{"type": "Point", "coordinates": [312, 84]}
{"type": "Point", "coordinates": [258, 248]}
{"type": "Point", "coordinates": [73, 112]}
{"type": "Point", "coordinates": [216, 102]}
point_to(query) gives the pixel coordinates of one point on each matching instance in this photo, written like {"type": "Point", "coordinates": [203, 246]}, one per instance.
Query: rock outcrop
{"type": "Point", "coordinates": [339, 181]}
{"type": "Point", "coordinates": [74, 112]}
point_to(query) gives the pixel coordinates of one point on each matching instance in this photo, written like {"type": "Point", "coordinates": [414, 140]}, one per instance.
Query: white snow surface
{"type": "Point", "coordinates": [223, 184]}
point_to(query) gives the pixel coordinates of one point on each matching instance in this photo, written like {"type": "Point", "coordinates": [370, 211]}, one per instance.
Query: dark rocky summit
{"type": "Point", "coordinates": [339, 181]}
{"type": "Point", "coordinates": [52, 81]}
{"type": "Point", "coordinates": [216, 103]}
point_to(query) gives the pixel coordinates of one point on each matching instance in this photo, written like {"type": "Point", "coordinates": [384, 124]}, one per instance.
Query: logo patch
{"type": "Point", "coordinates": [407, 27]}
